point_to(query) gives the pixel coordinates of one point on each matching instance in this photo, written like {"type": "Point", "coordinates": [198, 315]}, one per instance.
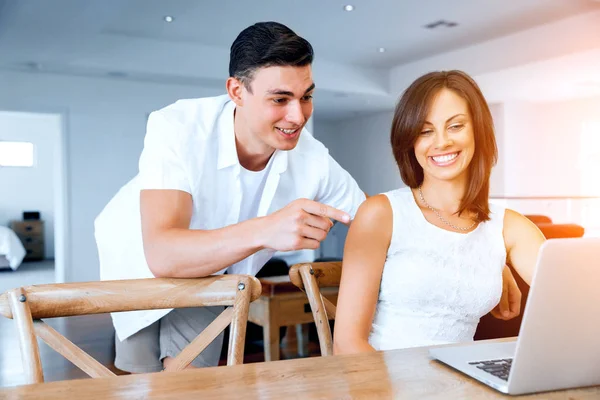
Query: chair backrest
{"type": "Point", "coordinates": [311, 277]}
{"type": "Point", "coordinates": [28, 305]}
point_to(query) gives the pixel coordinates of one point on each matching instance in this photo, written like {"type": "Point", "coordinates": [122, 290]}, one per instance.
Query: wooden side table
{"type": "Point", "coordinates": [283, 304]}
{"type": "Point", "coordinates": [31, 234]}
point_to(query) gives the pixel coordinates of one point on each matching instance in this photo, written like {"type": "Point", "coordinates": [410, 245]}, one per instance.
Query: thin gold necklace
{"type": "Point", "coordinates": [451, 225]}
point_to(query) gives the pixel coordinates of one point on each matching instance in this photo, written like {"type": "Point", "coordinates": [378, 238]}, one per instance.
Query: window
{"type": "Point", "coordinates": [16, 154]}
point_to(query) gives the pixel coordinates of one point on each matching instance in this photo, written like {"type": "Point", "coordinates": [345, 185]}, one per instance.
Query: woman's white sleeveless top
{"type": "Point", "coordinates": [436, 284]}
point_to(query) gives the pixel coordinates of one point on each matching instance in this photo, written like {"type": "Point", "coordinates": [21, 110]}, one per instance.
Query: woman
{"type": "Point", "coordinates": [429, 259]}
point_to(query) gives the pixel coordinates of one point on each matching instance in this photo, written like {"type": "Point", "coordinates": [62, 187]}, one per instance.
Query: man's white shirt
{"type": "Point", "coordinates": [190, 146]}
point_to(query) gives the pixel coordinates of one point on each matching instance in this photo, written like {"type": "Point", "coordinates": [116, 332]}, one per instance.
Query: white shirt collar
{"type": "Point", "coordinates": [227, 150]}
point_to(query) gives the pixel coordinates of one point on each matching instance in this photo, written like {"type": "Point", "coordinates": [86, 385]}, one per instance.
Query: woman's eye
{"type": "Point", "coordinates": [426, 132]}
{"type": "Point", "coordinates": [456, 127]}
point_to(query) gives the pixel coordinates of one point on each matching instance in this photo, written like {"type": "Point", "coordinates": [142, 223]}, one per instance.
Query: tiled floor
{"type": "Point", "coordinates": [94, 334]}
{"type": "Point", "coordinates": [29, 273]}
{"type": "Point", "coordinates": [88, 332]}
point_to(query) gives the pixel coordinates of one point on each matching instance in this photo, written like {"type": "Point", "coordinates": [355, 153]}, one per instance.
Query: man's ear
{"type": "Point", "coordinates": [235, 88]}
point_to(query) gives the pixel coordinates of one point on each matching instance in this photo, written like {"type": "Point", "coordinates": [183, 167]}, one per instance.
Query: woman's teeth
{"type": "Point", "coordinates": [445, 158]}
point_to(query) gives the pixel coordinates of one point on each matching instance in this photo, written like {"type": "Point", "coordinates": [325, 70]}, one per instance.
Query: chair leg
{"type": "Point", "coordinates": [30, 353]}
{"type": "Point", "coordinates": [318, 309]}
{"type": "Point", "coordinates": [271, 341]}
{"type": "Point", "coordinates": [239, 322]}
{"type": "Point", "coordinates": [302, 339]}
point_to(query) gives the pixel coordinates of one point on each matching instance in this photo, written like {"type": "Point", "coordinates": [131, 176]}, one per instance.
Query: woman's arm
{"type": "Point", "coordinates": [364, 255]}
{"type": "Point", "coordinates": [509, 306]}
{"type": "Point", "coordinates": [523, 240]}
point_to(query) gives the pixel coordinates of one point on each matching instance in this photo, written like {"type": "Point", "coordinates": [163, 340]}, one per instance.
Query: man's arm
{"type": "Point", "coordinates": [174, 250]}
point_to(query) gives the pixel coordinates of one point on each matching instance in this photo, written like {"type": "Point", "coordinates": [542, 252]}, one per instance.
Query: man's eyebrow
{"type": "Point", "coordinates": [281, 92]}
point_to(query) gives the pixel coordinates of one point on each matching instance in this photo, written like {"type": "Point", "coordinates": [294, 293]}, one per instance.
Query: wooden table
{"type": "Point", "coordinates": [283, 304]}
{"type": "Point", "coordinates": [406, 374]}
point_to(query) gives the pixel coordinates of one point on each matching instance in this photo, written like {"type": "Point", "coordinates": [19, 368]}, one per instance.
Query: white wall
{"type": "Point", "coordinates": [361, 146]}
{"type": "Point", "coordinates": [31, 189]}
{"type": "Point", "coordinates": [105, 126]}
{"type": "Point", "coordinates": [544, 145]}
{"type": "Point", "coordinates": [547, 154]}
{"type": "Point", "coordinates": [497, 178]}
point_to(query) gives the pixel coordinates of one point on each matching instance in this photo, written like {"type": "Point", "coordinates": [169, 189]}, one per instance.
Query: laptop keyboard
{"type": "Point", "coordinates": [499, 368]}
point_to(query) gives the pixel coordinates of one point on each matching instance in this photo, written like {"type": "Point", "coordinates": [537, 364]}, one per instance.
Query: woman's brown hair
{"type": "Point", "coordinates": [409, 118]}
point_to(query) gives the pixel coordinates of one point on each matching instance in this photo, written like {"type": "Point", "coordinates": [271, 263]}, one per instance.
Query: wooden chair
{"type": "Point", "coordinates": [28, 305]}
{"type": "Point", "coordinates": [311, 278]}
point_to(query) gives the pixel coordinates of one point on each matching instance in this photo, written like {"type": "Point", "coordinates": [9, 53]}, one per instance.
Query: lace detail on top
{"type": "Point", "coordinates": [436, 284]}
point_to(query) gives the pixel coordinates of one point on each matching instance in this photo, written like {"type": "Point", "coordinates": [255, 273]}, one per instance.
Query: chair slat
{"type": "Point", "coordinates": [192, 350]}
{"type": "Point", "coordinates": [329, 307]}
{"type": "Point", "coordinates": [70, 351]}
{"type": "Point", "coordinates": [84, 298]}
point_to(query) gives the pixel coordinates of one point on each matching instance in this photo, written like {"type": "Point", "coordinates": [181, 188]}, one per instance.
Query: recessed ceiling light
{"type": "Point", "coordinates": [382, 49]}
{"type": "Point", "coordinates": [441, 24]}
{"type": "Point", "coordinates": [117, 74]}
{"type": "Point", "coordinates": [349, 7]}
{"type": "Point", "coordinates": [168, 18]}
{"type": "Point", "coordinates": [34, 66]}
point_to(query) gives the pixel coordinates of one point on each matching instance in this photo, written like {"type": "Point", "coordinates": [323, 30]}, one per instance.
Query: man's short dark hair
{"type": "Point", "coordinates": [267, 44]}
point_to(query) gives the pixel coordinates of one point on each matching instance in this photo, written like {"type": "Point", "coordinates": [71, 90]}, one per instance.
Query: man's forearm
{"type": "Point", "coordinates": [185, 253]}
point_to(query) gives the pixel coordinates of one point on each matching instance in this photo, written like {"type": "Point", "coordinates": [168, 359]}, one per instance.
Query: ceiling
{"type": "Point", "coordinates": [129, 39]}
{"type": "Point", "coordinates": [347, 37]}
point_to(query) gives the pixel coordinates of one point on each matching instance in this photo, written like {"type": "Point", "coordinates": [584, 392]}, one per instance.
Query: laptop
{"type": "Point", "coordinates": [559, 342]}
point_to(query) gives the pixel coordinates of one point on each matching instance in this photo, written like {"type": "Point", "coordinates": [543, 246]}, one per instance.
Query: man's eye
{"type": "Point", "coordinates": [307, 98]}
{"type": "Point", "coordinates": [279, 101]}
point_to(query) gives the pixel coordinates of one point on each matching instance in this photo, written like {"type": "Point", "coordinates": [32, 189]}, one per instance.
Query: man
{"type": "Point", "coordinates": [223, 183]}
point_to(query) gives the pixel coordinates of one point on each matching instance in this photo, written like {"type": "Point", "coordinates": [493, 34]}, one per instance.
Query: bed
{"type": "Point", "coordinates": [12, 251]}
